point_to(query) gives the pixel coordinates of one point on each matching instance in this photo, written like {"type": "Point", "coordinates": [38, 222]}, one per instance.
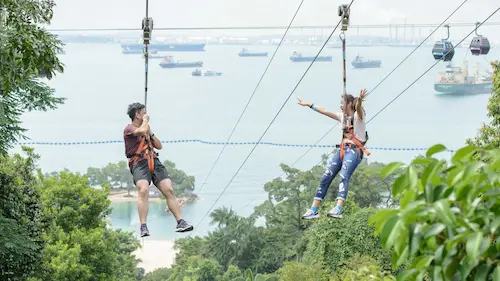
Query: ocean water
{"type": "Point", "coordinates": [99, 83]}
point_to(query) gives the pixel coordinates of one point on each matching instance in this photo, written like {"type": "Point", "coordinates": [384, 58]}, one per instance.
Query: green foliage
{"type": "Point", "coordinates": [296, 271]}
{"type": "Point", "coordinates": [249, 276]}
{"type": "Point", "coordinates": [160, 274]}
{"type": "Point", "coordinates": [25, 49]}
{"type": "Point", "coordinates": [333, 242]}
{"type": "Point", "coordinates": [449, 221]}
{"type": "Point", "coordinates": [360, 266]}
{"type": "Point", "coordinates": [368, 273]}
{"type": "Point", "coordinates": [197, 269]}
{"type": "Point", "coordinates": [231, 273]}
{"type": "Point", "coordinates": [21, 223]}
{"type": "Point", "coordinates": [489, 135]}
{"type": "Point", "coordinates": [79, 246]}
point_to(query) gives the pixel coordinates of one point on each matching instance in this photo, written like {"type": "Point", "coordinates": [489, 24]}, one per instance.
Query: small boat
{"type": "Point", "coordinates": [360, 62]}
{"type": "Point", "coordinates": [297, 57]}
{"type": "Point", "coordinates": [169, 62]}
{"type": "Point", "coordinates": [129, 51]}
{"type": "Point", "coordinates": [199, 72]}
{"type": "Point", "coordinates": [245, 53]}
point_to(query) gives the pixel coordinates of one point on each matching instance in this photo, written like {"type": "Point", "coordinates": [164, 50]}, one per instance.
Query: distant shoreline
{"type": "Point", "coordinates": [122, 196]}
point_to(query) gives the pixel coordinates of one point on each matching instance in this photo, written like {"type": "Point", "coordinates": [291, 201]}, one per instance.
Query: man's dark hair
{"type": "Point", "coordinates": [133, 109]}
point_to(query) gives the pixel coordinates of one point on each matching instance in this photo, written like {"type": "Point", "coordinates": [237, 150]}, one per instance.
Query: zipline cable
{"type": "Point", "coordinates": [251, 97]}
{"type": "Point", "coordinates": [381, 81]}
{"type": "Point", "coordinates": [272, 121]}
{"type": "Point", "coordinates": [425, 72]}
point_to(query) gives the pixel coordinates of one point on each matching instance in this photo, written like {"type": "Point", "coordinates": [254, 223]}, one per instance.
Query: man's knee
{"type": "Point", "coordinates": [166, 186]}
{"type": "Point", "coordinates": [142, 188]}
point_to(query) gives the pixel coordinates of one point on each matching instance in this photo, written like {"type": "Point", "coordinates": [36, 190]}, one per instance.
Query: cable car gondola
{"type": "Point", "coordinates": [443, 49]}
{"type": "Point", "coordinates": [479, 45]}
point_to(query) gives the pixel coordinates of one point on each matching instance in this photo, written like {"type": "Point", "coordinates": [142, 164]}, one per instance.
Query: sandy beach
{"type": "Point", "coordinates": [155, 254]}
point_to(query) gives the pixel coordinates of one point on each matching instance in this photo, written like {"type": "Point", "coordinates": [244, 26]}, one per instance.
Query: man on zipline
{"type": "Point", "coordinates": [345, 161]}
{"type": "Point", "coordinates": [145, 167]}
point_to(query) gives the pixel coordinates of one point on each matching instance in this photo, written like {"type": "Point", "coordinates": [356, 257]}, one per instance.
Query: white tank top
{"type": "Point", "coordinates": [358, 124]}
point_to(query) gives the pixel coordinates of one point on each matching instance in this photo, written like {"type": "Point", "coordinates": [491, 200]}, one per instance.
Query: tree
{"type": "Point", "coordinates": [296, 271]}
{"type": "Point", "coordinates": [197, 269]}
{"type": "Point", "coordinates": [26, 49]}
{"type": "Point", "coordinates": [79, 246]}
{"type": "Point", "coordinates": [449, 220]}
{"type": "Point", "coordinates": [21, 221]}
{"type": "Point", "coordinates": [489, 135]}
{"type": "Point", "coordinates": [333, 242]}
{"type": "Point", "coordinates": [231, 273]}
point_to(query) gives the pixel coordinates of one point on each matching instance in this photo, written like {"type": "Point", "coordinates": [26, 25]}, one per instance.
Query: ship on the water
{"type": "Point", "coordinates": [360, 62]}
{"type": "Point", "coordinates": [170, 47]}
{"type": "Point", "coordinates": [245, 53]}
{"type": "Point", "coordinates": [456, 80]}
{"type": "Point", "coordinates": [204, 72]}
{"type": "Point", "coordinates": [170, 62]}
{"type": "Point", "coordinates": [298, 57]}
{"type": "Point", "coordinates": [128, 51]}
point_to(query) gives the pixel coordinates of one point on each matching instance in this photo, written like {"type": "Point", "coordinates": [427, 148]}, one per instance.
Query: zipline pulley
{"type": "Point", "coordinates": [344, 14]}
{"type": "Point", "coordinates": [147, 29]}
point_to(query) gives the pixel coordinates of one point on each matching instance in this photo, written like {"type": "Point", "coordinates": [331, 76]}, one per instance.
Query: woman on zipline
{"type": "Point", "coordinates": [352, 149]}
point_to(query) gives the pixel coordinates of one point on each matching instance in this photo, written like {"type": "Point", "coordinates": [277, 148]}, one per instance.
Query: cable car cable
{"type": "Point", "coordinates": [381, 81]}
{"type": "Point", "coordinates": [251, 97]}
{"type": "Point", "coordinates": [272, 121]}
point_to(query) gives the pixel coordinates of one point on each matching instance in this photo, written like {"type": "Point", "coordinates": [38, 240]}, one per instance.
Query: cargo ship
{"type": "Point", "coordinates": [245, 53]}
{"type": "Point", "coordinates": [298, 57]}
{"type": "Point", "coordinates": [456, 80]}
{"type": "Point", "coordinates": [170, 47]}
{"type": "Point", "coordinates": [360, 62]}
{"type": "Point", "coordinates": [203, 72]}
{"type": "Point", "coordinates": [169, 62]}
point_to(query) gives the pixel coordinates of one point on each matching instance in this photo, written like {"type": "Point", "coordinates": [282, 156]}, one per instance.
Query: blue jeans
{"type": "Point", "coordinates": [346, 169]}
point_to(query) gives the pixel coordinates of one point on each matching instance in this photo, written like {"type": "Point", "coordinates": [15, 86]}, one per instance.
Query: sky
{"type": "Point", "coordinates": [196, 13]}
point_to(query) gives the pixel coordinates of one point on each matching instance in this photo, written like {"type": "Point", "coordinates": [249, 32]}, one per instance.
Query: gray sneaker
{"type": "Point", "coordinates": [144, 230]}
{"type": "Point", "coordinates": [183, 226]}
{"type": "Point", "coordinates": [335, 213]}
{"type": "Point", "coordinates": [310, 214]}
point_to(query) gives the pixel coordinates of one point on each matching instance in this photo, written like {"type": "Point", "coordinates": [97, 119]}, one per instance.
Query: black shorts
{"type": "Point", "coordinates": [140, 171]}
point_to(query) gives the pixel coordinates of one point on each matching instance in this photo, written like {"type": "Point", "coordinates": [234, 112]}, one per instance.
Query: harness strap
{"type": "Point", "coordinates": [145, 151]}
{"type": "Point", "coordinates": [360, 146]}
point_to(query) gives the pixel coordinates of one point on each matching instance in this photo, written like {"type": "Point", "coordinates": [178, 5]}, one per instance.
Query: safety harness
{"type": "Point", "coordinates": [144, 151]}
{"type": "Point", "coordinates": [348, 135]}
